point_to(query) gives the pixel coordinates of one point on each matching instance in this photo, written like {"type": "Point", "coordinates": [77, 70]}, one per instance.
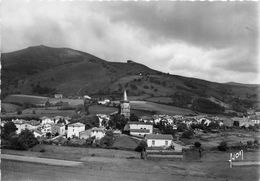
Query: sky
{"type": "Point", "coordinates": [215, 41]}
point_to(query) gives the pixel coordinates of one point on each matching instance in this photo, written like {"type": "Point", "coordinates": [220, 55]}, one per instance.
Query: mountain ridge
{"type": "Point", "coordinates": [43, 70]}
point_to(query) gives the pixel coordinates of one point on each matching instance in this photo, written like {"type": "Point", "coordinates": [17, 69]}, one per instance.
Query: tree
{"type": "Point", "coordinates": [23, 141]}
{"type": "Point", "coordinates": [187, 134]}
{"type": "Point", "coordinates": [197, 144]}
{"type": "Point", "coordinates": [117, 121]}
{"type": "Point", "coordinates": [133, 117]}
{"type": "Point", "coordinates": [182, 127]}
{"type": "Point", "coordinates": [8, 128]}
{"type": "Point", "coordinates": [108, 139]}
{"type": "Point", "coordinates": [48, 135]}
{"type": "Point", "coordinates": [223, 146]}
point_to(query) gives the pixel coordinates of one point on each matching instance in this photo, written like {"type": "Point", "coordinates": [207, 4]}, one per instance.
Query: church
{"type": "Point", "coordinates": [125, 106]}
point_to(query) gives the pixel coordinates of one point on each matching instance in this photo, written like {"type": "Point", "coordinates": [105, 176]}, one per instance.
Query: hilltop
{"type": "Point", "coordinates": [43, 70]}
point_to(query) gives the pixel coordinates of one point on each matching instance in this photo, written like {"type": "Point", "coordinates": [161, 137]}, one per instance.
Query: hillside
{"type": "Point", "coordinates": [43, 70]}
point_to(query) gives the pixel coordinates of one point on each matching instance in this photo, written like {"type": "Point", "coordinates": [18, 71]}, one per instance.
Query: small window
{"type": "Point", "coordinates": [153, 142]}
{"type": "Point", "coordinates": [166, 142]}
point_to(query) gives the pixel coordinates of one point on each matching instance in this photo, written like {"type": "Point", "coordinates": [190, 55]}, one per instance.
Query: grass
{"type": "Point", "coordinates": [21, 99]}
{"type": "Point", "coordinates": [8, 107]}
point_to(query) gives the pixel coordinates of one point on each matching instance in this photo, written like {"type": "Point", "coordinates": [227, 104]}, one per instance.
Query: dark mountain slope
{"type": "Point", "coordinates": [44, 70]}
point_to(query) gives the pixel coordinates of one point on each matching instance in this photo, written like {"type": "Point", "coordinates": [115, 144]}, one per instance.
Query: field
{"type": "Point", "coordinates": [114, 165]}
{"type": "Point", "coordinates": [234, 137]}
{"type": "Point", "coordinates": [72, 102]}
{"type": "Point", "coordinates": [21, 99]}
{"type": "Point", "coordinates": [9, 108]}
{"type": "Point", "coordinates": [159, 108]}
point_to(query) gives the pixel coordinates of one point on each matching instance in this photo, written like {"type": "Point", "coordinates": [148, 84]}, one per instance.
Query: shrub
{"type": "Point", "coordinates": [187, 134]}
{"type": "Point", "coordinates": [42, 150]}
{"type": "Point", "coordinates": [141, 146]}
{"type": "Point", "coordinates": [197, 144]}
{"type": "Point", "coordinates": [223, 146]}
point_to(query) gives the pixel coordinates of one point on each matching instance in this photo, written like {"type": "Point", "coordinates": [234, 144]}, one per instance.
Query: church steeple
{"type": "Point", "coordinates": [125, 106]}
{"type": "Point", "coordinates": [125, 96]}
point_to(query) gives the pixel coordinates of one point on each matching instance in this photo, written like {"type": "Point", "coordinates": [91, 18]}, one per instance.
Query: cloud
{"type": "Point", "coordinates": [213, 41]}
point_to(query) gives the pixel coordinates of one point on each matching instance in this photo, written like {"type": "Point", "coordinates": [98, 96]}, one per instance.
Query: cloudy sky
{"type": "Point", "coordinates": [216, 41]}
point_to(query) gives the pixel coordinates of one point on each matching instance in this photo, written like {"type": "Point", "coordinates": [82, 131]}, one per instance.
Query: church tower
{"type": "Point", "coordinates": [125, 106]}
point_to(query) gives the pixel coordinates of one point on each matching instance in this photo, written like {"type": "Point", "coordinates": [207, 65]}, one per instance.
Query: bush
{"type": "Point", "coordinates": [108, 139]}
{"type": "Point", "coordinates": [197, 144]}
{"type": "Point", "coordinates": [223, 146]}
{"type": "Point", "coordinates": [141, 146]}
{"type": "Point", "coordinates": [182, 127]}
{"type": "Point", "coordinates": [187, 134]}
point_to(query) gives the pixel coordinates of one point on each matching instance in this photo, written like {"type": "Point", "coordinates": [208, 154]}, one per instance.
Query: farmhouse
{"type": "Point", "coordinates": [58, 96]}
{"type": "Point", "coordinates": [159, 140]}
{"type": "Point", "coordinates": [46, 120]}
{"type": "Point", "coordinates": [85, 134]}
{"type": "Point", "coordinates": [58, 128]}
{"type": "Point", "coordinates": [22, 125]}
{"type": "Point", "coordinates": [38, 134]}
{"type": "Point", "coordinates": [74, 129]}
{"type": "Point", "coordinates": [139, 128]}
{"type": "Point", "coordinates": [98, 133]}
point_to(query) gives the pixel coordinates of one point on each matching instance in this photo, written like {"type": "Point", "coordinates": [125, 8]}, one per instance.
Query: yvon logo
{"type": "Point", "coordinates": [236, 156]}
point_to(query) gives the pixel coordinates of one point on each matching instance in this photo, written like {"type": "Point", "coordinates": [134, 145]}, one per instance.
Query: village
{"type": "Point", "coordinates": [156, 134]}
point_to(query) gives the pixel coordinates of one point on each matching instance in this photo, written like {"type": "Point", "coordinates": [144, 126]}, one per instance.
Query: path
{"type": "Point", "coordinates": [41, 160]}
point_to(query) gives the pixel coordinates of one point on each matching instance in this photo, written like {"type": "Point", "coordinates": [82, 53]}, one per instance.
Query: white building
{"type": "Point", "coordinates": [159, 140]}
{"type": "Point", "coordinates": [139, 128]}
{"type": "Point", "coordinates": [38, 134]}
{"type": "Point", "coordinates": [46, 120]}
{"type": "Point", "coordinates": [74, 129]}
{"type": "Point", "coordinates": [98, 133]}
{"type": "Point", "coordinates": [103, 119]}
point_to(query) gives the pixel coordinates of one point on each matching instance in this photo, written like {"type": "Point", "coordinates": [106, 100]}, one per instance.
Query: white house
{"type": "Point", "coordinates": [22, 125]}
{"type": "Point", "coordinates": [38, 134]}
{"type": "Point", "coordinates": [47, 128]}
{"type": "Point", "coordinates": [85, 134]}
{"type": "Point", "coordinates": [103, 102]}
{"type": "Point", "coordinates": [159, 140]}
{"type": "Point", "coordinates": [46, 120]}
{"type": "Point", "coordinates": [58, 128]}
{"type": "Point", "coordinates": [139, 128]}
{"type": "Point", "coordinates": [58, 96]}
{"type": "Point", "coordinates": [103, 119]}
{"type": "Point", "coordinates": [98, 133]}
{"type": "Point", "coordinates": [74, 129]}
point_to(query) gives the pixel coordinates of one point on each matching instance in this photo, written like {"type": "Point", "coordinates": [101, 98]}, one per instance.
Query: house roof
{"type": "Point", "coordinates": [139, 130]}
{"type": "Point", "coordinates": [76, 124]}
{"type": "Point", "coordinates": [98, 129]}
{"type": "Point", "coordinates": [37, 131]}
{"type": "Point", "coordinates": [159, 136]}
{"type": "Point", "coordinates": [137, 122]}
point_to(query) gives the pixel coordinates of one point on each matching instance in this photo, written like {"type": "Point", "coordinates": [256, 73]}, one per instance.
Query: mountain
{"type": "Point", "coordinates": [43, 70]}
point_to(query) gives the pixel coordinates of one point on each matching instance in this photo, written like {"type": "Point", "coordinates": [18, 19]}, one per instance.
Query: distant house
{"type": "Point", "coordinates": [47, 128]}
{"type": "Point", "coordinates": [58, 128]}
{"type": "Point", "coordinates": [159, 140]}
{"type": "Point", "coordinates": [74, 129]}
{"type": "Point", "coordinates": [139, 128]}
{"type": "Point", "coordinates": [38, 134]}
{"type": "Point", "coordinates": [98, 133]}
{"type": "Point", "coordinates": [58, 96]}
{"type": "Point", "coordinates": [22, 125]}
{"type": "Point", "coordinates": [46, 120]}
{"type": "Point", "coordinates": [85, 134]}
{"type": "Point", "coordinates": [242, 122]}
{"type": "Point", "coordinates": [104, 102]}
{"type": "Point", "coordinates": [103, 119]}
